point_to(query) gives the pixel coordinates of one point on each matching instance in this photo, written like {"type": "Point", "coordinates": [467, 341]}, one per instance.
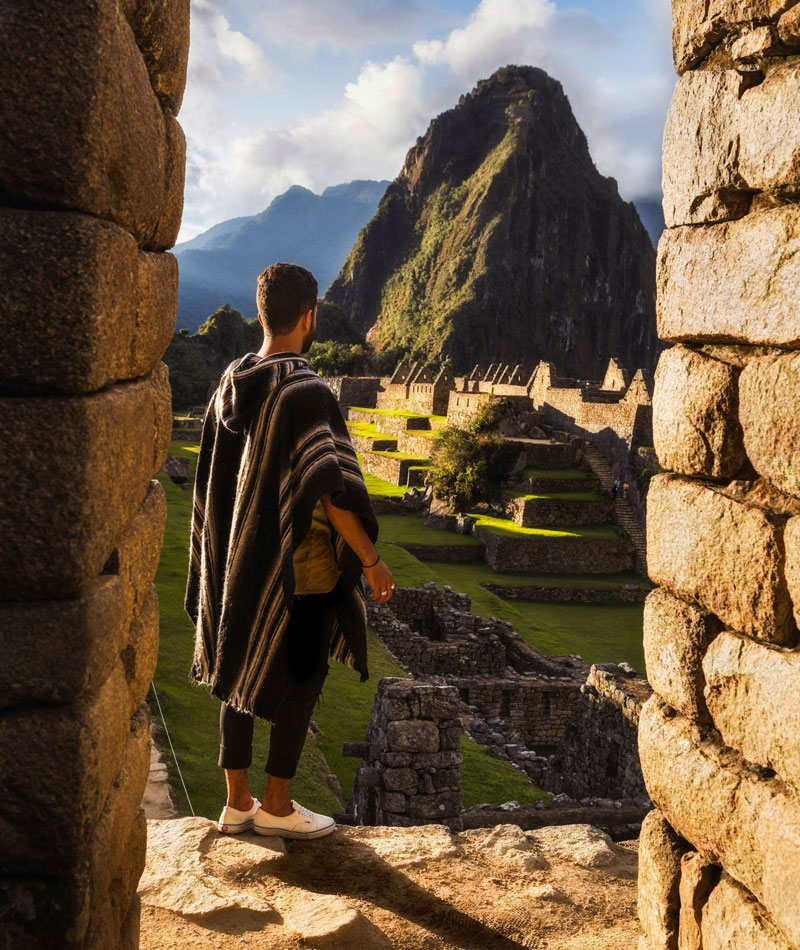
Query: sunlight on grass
{"type": "Point", "coordinates": [509, 528]}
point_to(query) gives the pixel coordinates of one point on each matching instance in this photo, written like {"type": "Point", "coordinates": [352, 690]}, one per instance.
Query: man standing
{"type": "Point", "coordinates": [282, 530]}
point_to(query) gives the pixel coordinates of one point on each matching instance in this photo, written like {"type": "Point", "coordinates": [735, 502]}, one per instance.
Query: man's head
{"type": "Point", "coordinates": [287, 302]}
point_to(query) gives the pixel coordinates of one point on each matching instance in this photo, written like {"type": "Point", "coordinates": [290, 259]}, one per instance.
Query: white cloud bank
{"type": "Point", "coordinates": [237, 164]}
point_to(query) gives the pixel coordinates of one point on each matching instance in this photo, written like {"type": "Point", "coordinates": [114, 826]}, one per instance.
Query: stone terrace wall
{"type": "Point", "coordinates": [91, 177]}
{"type": "Point", "coordinates": [598, 754]}
{"type": "Point", "coordinates": [720, 742]}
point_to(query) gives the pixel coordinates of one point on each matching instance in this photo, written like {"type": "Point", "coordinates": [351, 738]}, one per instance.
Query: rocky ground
{"type": "Point", "coordinates": [384, 888]}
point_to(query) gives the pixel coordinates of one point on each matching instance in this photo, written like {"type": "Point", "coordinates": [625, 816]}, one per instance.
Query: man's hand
{"type": "Point", "coordinates": [380, 580]}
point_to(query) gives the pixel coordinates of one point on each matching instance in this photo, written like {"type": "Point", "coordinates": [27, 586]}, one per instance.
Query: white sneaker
{"type": "Point", "coordinates": [232, 821]}
{"type": "Point", "coordinates": [301, 823]}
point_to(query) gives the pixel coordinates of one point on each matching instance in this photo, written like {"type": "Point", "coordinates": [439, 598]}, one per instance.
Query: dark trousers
{"type": "Point", "coordinates": [309, 639]}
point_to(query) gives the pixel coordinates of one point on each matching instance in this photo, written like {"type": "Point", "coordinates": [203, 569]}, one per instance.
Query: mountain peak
{"type": "Point", "coordinates": [500, 240]}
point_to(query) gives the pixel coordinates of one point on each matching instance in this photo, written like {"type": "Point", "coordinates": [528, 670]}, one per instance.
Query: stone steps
{"type": "Point", "coordinates": [624, 512]}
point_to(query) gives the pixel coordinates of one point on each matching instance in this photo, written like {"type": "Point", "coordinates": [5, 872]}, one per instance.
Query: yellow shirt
{"type": "Point", "coordinates": [315, 570]}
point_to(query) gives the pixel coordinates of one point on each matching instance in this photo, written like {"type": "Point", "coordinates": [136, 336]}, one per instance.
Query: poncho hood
{"type": "Point", "coordinates": [246, 383]}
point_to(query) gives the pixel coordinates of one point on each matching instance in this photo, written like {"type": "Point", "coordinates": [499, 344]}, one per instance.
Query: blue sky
{"type": "Point", "coordinates": [315, 92]}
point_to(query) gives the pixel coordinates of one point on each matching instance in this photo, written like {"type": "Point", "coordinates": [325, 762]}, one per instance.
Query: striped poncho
{"type": "Point", "coordinates": [273, 442]}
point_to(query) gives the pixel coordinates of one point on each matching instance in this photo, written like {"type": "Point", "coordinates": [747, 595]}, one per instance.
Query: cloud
{"type": "Point", "coordinates": [314, 24]}
{"type": "Point", "coordinates": [365, 134]}
{"type": "Point", "coordinates": [495, 34]}
{"type": "Point", "coordinates": [617, 75]}
{"type": "Point", "coordinates": [214, 41]}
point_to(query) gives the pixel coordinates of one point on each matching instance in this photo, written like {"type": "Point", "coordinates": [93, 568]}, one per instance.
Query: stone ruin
{"type": "Point", "coordinates": [509, 697]}
{"type": "Point", "coordinates": [91, 166]}
{"type": "Point", "coordinates": [720, 741]}
{"type": "Point", "coordinates": [409, 773]}
{"type": "Point", "coordinates": [91, 175]}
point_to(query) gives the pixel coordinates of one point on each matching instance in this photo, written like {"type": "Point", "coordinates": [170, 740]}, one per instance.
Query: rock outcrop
{"type": "Point", "coordinates": [499, 240]}
{"type": "Point", "coordinates": [376, 888]}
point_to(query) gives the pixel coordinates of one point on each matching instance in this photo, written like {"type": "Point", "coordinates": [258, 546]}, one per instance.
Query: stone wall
{"type": "Point", "coordinates": [540, 512]}
{"type": "Point", "coordinates": [410, 768]}
{"type": "Point", "coordinates": [434, 634]}
{"type": "Point", "coordinates": [598, 754]}
{"type": "Point", "coordinates": [719, 741]}
{"type": "Point", "coordinates": [624, 594]}
{"type": "Point", "coordinates": [535, 708]}
{"type": "Point", "coordinates": [541, 554]}
{"type": "Point", "coordinates": [91, 176]}
{"type": "Point", "coordinates": [355, 390]}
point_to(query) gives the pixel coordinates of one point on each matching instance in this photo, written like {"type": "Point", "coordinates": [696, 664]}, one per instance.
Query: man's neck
{"type": "Point", "coordinates": [278, 345]}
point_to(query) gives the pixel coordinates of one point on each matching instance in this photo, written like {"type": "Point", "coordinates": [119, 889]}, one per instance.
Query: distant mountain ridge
{"type": "Point", "coordinates": [221, 265]}
{"type": "Point", "coordinates": [500, 241]}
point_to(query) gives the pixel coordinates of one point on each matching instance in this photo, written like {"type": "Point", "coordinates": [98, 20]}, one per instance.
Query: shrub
{"type": "Point", "coordinates": [469, 466]}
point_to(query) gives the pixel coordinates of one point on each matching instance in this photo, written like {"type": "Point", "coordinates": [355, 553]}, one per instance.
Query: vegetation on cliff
{"type": "Point", "coordinates": [500, 241]}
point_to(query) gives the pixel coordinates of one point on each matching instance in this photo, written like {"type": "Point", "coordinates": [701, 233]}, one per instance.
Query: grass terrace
{"type": "Point", "coordinates": [565, 473]}
{"type": "Point", "coordinates": [558, 496]}
{"type": "Point", "coordinates": [508, 528]}
{"type": "Point", "coordinates": [368, 430]}
{"type": "Point", "coordinates": [399, 413]}
{"type": "Point", "coordinates": [600, 634]}
{"type": "Point", "coordinates": [396, 455]}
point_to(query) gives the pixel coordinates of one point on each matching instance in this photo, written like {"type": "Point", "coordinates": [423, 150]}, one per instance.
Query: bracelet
{"type": "Point", "coordinates": [373, 563]}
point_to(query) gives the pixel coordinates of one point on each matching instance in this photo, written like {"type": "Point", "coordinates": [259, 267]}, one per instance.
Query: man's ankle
{"type": "Point", "coordinates": [240, 804]}
{"type": "Point", "coordinates": [280, 808]}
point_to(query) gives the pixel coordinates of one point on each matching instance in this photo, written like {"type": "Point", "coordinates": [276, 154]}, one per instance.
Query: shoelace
{"type": "Point", "coordinates": [302, 809]}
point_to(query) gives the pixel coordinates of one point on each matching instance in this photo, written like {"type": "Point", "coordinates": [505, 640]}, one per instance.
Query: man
{"type": "Point", "coordinates": [282, 529]}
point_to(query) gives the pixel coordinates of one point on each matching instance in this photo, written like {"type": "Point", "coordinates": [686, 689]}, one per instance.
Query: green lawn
{"type": "Point", "coordinates": [400, 413]}
{"type": "Point", "coordinates": [607, 634]}
{"type": "Point", "coordinates": [396, 455]}
{"type": "Point", "coordinates": [192, 714]}
{"type": "Point", "coordinates": [368, 430]}
{"type": "Point", "coordinates": [570, 581]}
{"type": "Point", "coordinates": [558, 473]}
{"type": "Point", "coordinates": [410, 528]}
{"type": "Point", "coordinates": [508, 528]}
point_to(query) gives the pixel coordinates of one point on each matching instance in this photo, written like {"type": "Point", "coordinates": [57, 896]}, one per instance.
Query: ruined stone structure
{"type": "Point", "coordinates": [518, 702]}
{"type": "Point", "coordinates": [91, 174]}
{"type": "Point", "coordinates": [354, 390]}
{"type": "Point", "coordinates": [414, 386]}
{"type": "Point", "coordinates": [410, 768]}
{"type": "Point", "coordinates": [598, 754]}
{"type": "Point", "coordinates": [719, 741]}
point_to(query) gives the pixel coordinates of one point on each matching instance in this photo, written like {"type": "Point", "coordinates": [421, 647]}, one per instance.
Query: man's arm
{"type": "Point", "coordinates": [349, 526]}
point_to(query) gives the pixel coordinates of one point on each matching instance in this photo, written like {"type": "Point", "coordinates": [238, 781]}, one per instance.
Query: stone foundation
{"type": "Point", "coordinates": [540, 512]}
{"type": "Point", "coordinates": [598, 754]}
{"type": "Point", "coordinates": [719, 739]}
{"type": "Point", "coordinates": [625, 594]}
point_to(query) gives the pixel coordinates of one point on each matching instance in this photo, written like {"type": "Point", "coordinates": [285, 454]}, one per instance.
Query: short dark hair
{"type": "Point", "coordinates": [285, 292]}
